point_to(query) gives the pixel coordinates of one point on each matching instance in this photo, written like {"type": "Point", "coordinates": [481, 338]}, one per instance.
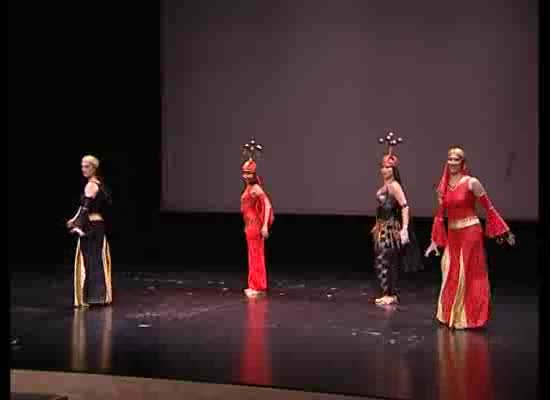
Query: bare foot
{"type": "Point", "coordinates": [391, 300]}
{"type": "Point", "coordinates": [252, 293]}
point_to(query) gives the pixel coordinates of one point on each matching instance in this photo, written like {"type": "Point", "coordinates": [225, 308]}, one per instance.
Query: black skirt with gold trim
{"type": "Point", "coordinates": [386, 235]}
{"type": "Point", "coordinates": [92, 267]}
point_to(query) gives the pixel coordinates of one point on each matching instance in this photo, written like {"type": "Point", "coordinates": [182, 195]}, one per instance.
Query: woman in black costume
{"type": "Point", "coordinates": [92, 266]}
{"type": "Point", "coordinates": [395, 244]}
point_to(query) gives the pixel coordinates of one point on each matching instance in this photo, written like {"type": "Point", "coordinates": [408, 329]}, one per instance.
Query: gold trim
{"type": "Point", "coordinates": [458, 318]}
{"type": "Point", "coordinates": [80, 274]}
{"type": "Point", "coordinates": [457, 151]}
{"type": "Point", "coordinates": [106, 256]}
{"type": "Point", "coordinates": [95, 217]}
{"type": "Point", "coordinates": [463, 223]}
{"type": "Point", "coordinates": [79, 277]}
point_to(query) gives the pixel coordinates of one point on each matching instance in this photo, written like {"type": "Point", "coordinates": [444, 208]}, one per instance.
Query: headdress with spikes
{"type": "Point", "coordinates": [250, 153]}
{"type": "Point", "coordinates": [391, 141]}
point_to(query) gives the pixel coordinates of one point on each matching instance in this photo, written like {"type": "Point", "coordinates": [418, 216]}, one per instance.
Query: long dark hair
{"type": "Point", "coordinates": [397, 178]}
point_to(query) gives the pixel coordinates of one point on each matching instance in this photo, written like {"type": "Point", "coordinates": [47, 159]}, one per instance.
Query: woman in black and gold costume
{"type": "Point", "coordinates": [92, 266]}
{"type": "Point", "coordinates": [395, 244]}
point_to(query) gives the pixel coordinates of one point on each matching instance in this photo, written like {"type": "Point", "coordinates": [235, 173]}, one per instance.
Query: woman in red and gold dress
{"type": "Point", "coordinates": [465, 294]}
{"type": "Point", "coordinates": [258, 216]}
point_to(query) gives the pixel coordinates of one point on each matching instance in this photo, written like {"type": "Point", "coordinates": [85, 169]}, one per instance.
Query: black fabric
{"type": "Point", "coordinates": [411, 257]}
{"type": "Point", "coordinates": [99, 203]}
{"type": "Point", "coordinates": [82, 221]}
{"type": "Point", "coordinates": [91, 246]}
{"type": "Point", "coordinates": [386, 264]}
{"type": "Point", "coordinates": [89, 205]}
{"type": "Point", "coordinates": [388, 207]}
{"type": "Point", "coordinates": [390, 254]}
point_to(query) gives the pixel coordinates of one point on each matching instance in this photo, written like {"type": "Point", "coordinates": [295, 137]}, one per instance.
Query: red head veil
{"type": "Point", "coordinates": [249, 167]}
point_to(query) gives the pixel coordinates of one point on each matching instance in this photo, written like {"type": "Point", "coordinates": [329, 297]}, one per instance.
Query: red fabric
{"type": "Point", "coordinates": [261, 210]}
{"type": "Point", "coordinates": [443, 182]}
{"type": "Point", "coordinates": [438, 228]}
{"type": "Point", "coordinates": [439, 236]}
{"type": "Point", "coordinates": [495, 225]}
{"type": "Point", "coordinates": [469, 242]}
{"type": "Point", "coordinates": [249, 166]}
{"type": "Point", "coordinates": [464, 365]}
{"type": "Point", "coordinates": [255, 361]}
{"type": "Point", "coordinates": [460, 202]}
{"type": "Point", "coordinates": [443, 185]}
{"type": "Point", "coordinates": [253, 210]}
{"type": "Point", "coordinates": [257, 277]}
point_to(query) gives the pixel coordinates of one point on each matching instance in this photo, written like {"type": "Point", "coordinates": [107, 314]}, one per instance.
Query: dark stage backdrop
{"type": "Point", "coordinates": [317, 81]}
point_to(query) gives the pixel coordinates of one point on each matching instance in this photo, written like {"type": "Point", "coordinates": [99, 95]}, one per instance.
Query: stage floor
{"type": "Point", "coordinates": [311, 333]}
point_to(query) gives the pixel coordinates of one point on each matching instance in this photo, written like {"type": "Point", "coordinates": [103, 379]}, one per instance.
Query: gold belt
{"type": "Point", "coordinates": [463, 223]}
{"type": "Point", "coordinates": [95, 217]}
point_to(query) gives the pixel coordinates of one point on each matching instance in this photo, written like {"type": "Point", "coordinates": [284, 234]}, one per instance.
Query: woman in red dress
{"type": "Point", "coordinates": [258, 216]}
{"type": "Point", "coordinates": [465, 294]}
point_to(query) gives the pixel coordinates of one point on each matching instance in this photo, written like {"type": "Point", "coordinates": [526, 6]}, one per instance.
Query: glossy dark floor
{"type": "Point", "coordinates": [318, 334]}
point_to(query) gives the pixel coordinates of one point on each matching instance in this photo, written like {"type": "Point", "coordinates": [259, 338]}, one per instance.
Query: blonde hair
{"type": "Point", "coordinates": [457, 151]}
{"type": "Point", "coordinates": [92, 160]}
